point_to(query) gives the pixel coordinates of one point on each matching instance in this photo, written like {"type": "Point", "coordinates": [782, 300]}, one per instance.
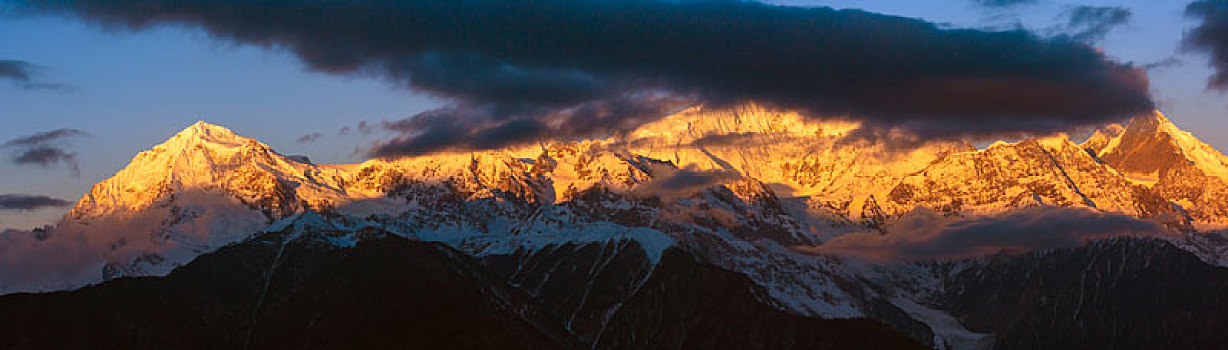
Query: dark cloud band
{"type": "Point", "coordinates": [43, 137]}
{"type": "Point", "coordinates": [30, 202]}
{"type": "Point", "coordinates": [524, 70]}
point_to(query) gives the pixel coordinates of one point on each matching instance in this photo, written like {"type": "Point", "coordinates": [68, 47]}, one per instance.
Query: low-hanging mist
{"type": "Point", "coordinates": [927, 235]}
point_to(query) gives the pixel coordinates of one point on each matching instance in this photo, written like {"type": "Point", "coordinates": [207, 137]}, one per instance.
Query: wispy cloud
{"type": "Point", "coordinates": [670, 183]}
{"type": "Point", "coordinates": [1004, 3]}
{"type": "Point", "coordinates": [363, 128]}
{"type": "Point", "coordinates": [16, 70]}
{"type": "Point", "coordinates": [30, 202]}
{"type": "Point", "coordinates": [1166, 63]}
{"type": "Point", "coordinates": [309, 138]}
{"type": "Point", "coordinates": [43, 138]}
{"type": "Point", "coordinates": [926, 235]}
{"type": "Point", "coordinates": [1092, 23]}
{"type": "Point", "coordinates": [45, 149]}
{"type": "Point", "coordinates": [45, 156]}
{"type": "Point", "coordinates": [24, 75]}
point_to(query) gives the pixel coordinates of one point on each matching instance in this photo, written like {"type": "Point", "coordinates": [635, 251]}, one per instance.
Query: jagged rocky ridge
{"type": "Point", "coordinates": [581, 227]}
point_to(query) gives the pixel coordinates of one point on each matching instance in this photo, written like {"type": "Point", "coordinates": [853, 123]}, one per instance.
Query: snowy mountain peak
{"type": "Point", "coordinates": [1155, 117]}
{"type": "Point", "coordinates": [202, 133]}
{"type": "Point", "coordinates": [1152, 145]}
{"type": "Point", "coordinates": [203, 188]}
{"type": "Point", "coordinates": [203, 127]}
{"type": "Point", "coordinates": [1100, 140]}
{"type": "Point", "coordinates": [202, 157]}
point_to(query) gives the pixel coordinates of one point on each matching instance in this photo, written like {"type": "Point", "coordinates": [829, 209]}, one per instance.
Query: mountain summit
{"type": "Point", "coordinates": [1154, 153]}
{"type": "Point", "coordinates": [202, 188]}
{"type": "Point", "coordinates": [206, 158]}
{"type": "Point", "coordinates": [1152, 145]}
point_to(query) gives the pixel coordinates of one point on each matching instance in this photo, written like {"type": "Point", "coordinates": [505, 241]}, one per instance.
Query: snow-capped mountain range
{"type": "Point", "coordinates": [750, 190]}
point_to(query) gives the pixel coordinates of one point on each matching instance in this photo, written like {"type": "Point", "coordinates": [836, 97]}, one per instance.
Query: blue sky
{"type": "Point", "coordinates": [135, 89]}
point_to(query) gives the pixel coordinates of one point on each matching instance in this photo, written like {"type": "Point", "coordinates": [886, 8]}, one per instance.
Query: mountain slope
{"type": "Point", "coordinates": [298, 288]}
{"type": "Point", "coordinates": [1136, 294]}
{"type": "Point", "coordinates": [1045, 172]}
{"type": "Point", "coordinates": [288, 290]}
{"type": "Point", "coordinates": [688, 305]}
{"type": "Point", "coordinates": [201, 189]}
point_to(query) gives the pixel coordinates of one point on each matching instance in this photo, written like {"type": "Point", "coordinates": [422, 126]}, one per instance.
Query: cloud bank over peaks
{"type": "Point", "coordinates": [522, 70]}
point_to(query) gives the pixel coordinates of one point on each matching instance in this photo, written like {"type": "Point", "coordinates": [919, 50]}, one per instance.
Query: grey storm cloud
{"type": "Point", "coordinates": [1092, 23]}
{"type": "Point", "coordinates": [44, 149]}
{"type": "Point", "coordinates": [1211, 36]}
{"type": "Point", "coordinates": [30, 202]}
{"type": "Point", "coordinates": [518, 71]}
{"type": "Point", "coordinates": [926, 235]}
